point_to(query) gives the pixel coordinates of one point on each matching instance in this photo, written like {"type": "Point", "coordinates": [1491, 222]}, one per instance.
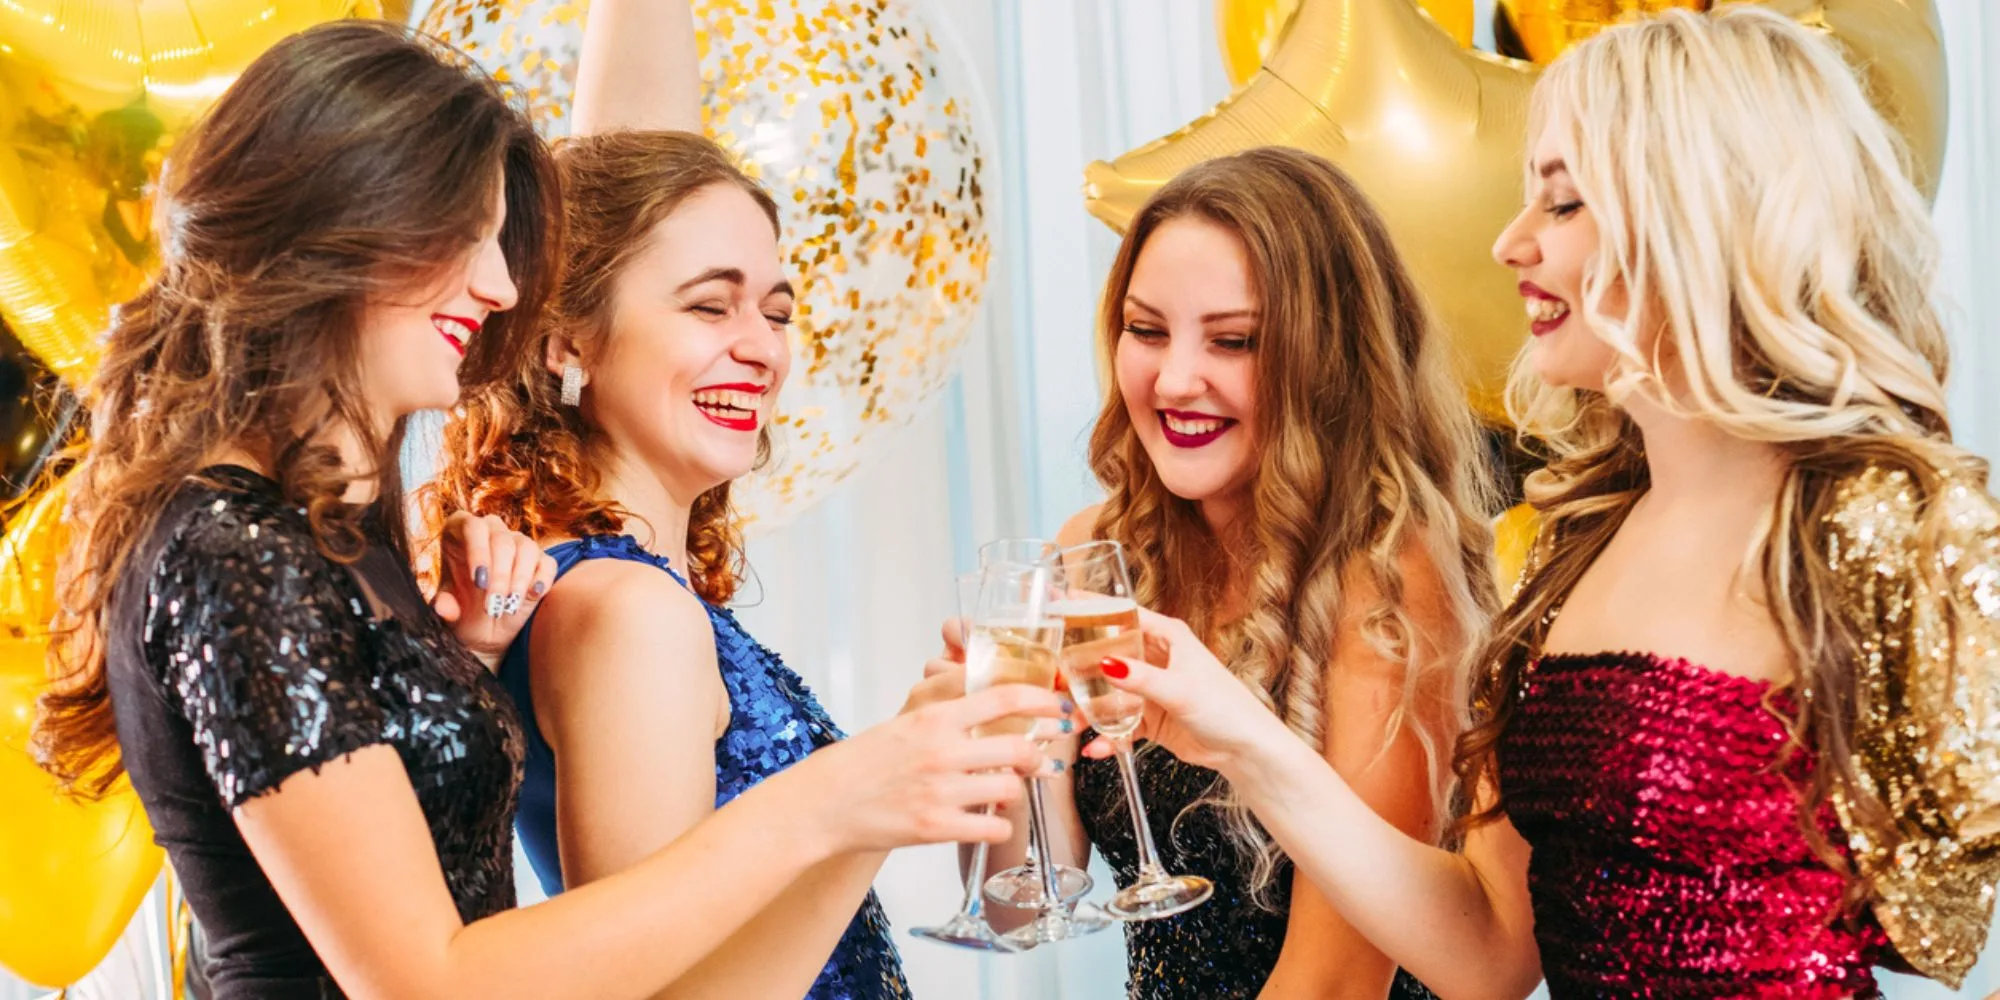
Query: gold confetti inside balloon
{"type": "Point", "coordinates": [840, 107]}
{"type": "Point", "coordinates": [1249, 30]}
{"type": "Point", "coordinates": [1433, 132]}
{"type": "Point", "coordinates": [92, 93]}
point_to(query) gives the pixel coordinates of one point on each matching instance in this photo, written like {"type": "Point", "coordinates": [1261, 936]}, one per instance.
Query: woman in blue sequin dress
{"type": "Point", "coordinates": [1287, 462]}
{"type": "Point", "coordinates": [646, 705]}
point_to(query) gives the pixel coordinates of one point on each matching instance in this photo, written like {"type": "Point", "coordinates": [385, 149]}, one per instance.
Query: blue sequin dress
{"type": "Point", "coordinates": [774, 722]}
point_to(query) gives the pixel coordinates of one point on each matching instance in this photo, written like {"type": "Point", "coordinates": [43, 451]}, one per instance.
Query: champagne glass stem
{"type": "Point", "coordinates": [1038, 829]}
{"type": "Point", "coordinates": [975, 879]}
{"type": "Point", "coordinates": [1142, 831]}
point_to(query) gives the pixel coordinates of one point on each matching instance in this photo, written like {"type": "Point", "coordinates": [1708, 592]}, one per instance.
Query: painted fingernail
{"type": "Point", "coordinates": [494, 604]}
{"type": "Point", "coordinates": [1068, 708]}
{"type": "Point", "coordinates": [1066, 726]}
{"type": "Point", "coordinates": [1114, 668]}
{"type": "Point", "coordinates": [479, 577]}
{"type": "Point", "coordinates": [541, 587]}
{"type": "Point", "coordinates": [1058, 766]}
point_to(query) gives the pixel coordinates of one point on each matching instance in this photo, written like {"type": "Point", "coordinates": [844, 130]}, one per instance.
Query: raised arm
{"type": "Point", "coordinates": [628, 692]}
{"type": "Point", "coordinates": [638, 69]}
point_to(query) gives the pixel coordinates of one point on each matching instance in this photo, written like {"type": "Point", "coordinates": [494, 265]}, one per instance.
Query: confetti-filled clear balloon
{"type": "Point", "coordinates": [840, 108]}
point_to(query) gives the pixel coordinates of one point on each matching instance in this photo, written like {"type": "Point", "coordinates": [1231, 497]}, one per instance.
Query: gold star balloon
{"type": "Point", "coordinates": [1433, 132]}
{"type": "Point", "coordinates": [840, 108]}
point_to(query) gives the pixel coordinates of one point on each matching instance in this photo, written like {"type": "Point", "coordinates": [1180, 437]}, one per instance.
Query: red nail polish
{"type": "Point", "coordinates": [1114, 668]}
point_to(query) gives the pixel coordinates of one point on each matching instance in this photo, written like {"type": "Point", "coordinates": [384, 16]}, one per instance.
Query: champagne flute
{"type": "Point", "coordinates": [1015, 641]}
{"type": "Point", "coordinates": [1101, 618]}
{"type": "Point", "coordinates": [1021, 886]}
{"type": "Point", "coordinates": [968, 927]}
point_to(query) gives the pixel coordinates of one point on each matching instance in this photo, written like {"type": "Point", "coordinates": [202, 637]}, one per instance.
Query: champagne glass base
{"type": "Point", "coordinates": [970, 932]}
{"type": "Point", "coordinates": [1060, 924]}
{"type": "Point", "coordinates": [1021, 886]}
{"type": "Point", "coordinates": [1153, 899]}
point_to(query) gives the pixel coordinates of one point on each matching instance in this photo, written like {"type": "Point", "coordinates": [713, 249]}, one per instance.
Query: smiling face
{"type": "Point", "coordinates": [1550, 245]}
{"type": "Point", "coordinates": [1184, 359]}
{"type": "Point", "coordinates": [412, 345]}
{"type": "Point", "coordinates": [689, 375]}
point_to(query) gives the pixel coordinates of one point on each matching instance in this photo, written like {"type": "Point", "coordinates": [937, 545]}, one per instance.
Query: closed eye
{"type": "Point", "coordinates": [1144, 334]}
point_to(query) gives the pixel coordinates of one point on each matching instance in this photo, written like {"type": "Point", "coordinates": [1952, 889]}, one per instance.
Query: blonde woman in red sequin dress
{"type": "Point", "coordinates": [1740, 734]}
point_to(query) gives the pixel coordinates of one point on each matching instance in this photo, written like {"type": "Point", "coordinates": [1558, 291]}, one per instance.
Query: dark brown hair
{"type": "Point", "coordinates": [350, 163]}
{"type": "Point", "coordinates": [512, 450]}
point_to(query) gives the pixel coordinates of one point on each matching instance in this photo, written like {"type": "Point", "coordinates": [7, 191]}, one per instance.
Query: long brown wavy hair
{"type": "Point", "coordinates": [512, 450]}
{"type": "Point", "coordinates": [350, 163]}
{"type": "Point", "coordinates": [1367, 453]}
{"type": "Point", "coordinates": [1745, 190]}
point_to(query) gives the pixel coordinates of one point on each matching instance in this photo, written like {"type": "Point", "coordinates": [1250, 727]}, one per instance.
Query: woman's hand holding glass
{"type": "Point", "coordinates": [1195, 707]}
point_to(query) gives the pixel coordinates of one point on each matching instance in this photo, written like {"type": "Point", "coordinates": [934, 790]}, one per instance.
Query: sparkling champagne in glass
{"type": "Point", "coordinates": [1014, 639]}
{"type": "Point", "coordinates": [968, 927]}
{"type": "Point", "coordinates": [1100, 619]}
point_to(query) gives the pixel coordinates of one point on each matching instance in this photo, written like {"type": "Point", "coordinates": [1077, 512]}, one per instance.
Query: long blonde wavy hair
{"type": "Point", "coordinates": [1753, 205]}
{"type": "Point", "coordinates": [1367, 453]}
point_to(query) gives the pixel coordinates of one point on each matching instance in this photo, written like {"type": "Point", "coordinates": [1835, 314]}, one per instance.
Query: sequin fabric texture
{"type": "Point", "coordinates": [774, 722]}
{"type": "Point", "coordinates": [1926, 613]}
{"type": "Point", "coordinates": [1667, 855]}
{"type": "Point", "coordinates": [240, 656]}
{"type": "Point", "coordinates": [1222, 950]}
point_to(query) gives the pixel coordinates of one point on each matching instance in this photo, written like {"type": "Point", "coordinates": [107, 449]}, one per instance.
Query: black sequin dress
{"type": "Point", "coordinates": [1222, 950]}
{"type": "Point", "coordinates": [239, 655]}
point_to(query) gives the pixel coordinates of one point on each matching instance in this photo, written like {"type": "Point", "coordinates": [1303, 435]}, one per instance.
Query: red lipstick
{"type": "Point", "coordinates": [1181, 440]}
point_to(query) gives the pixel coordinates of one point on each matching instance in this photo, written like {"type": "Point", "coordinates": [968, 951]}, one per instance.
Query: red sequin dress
{"type": "Point", "coordinates": [1668, 860]}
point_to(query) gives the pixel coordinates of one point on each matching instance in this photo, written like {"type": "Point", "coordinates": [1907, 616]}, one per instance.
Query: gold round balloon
{"type": "Point", "coordinates": [844, 109]}
{"type": "Point", "coordinates": [1513, 535]}
{"type": "Point", "coordinates": [1249, 30]}
{"type": "Point", "coordinates": [1547, 27]}
{"type": "Point", "coordinates": [1434, 133]}
{"type": "Point", "coordinates": [92, 93]}
{"type": "Point", "coordinates": [28, 555]}
{"type": "Point", "coordinates": [71, 873]}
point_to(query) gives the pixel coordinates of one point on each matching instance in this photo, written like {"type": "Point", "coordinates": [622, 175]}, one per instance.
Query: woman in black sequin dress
{"type": "Point", "coordinates": [329, 764]}
{"type": "Point", "coordinates": [1289, 464]}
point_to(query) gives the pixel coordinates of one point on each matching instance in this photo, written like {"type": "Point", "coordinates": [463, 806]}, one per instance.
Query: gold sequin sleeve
{"type": "Point", "coordinates": [1922, 595]}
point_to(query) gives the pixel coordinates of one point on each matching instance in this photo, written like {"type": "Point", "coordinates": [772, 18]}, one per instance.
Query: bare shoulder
{"type": "Point", "coordinates": [1080, 527]}
{"type": "Point", "coordinates": [615, 620]}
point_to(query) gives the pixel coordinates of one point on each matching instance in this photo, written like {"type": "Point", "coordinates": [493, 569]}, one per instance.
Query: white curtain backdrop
{"type": "Point", "coordinates": [853, 591]}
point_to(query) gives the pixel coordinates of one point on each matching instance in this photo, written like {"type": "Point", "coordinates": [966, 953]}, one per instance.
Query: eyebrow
{"type": "Point", "coordinates": [733, 276]}
{"type": "Point", "coordinates": [1550, 168]}
{"type": "Point", "coordinates": [1205, 317]}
